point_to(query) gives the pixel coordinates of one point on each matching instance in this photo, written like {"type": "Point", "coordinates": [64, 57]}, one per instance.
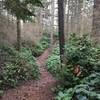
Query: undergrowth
{"type": "Point", "coordinates": [80, 72]}
{"type": "Point", "coordinates": [16, 67]}
{"type": "Point", "coordinates": [38, 48]}
{"type": "Point", "coordinates": [43, 44]}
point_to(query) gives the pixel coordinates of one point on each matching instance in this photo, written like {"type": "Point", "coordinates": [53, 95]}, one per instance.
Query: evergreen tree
{"type": "Point", "coordinates": [22, 10]}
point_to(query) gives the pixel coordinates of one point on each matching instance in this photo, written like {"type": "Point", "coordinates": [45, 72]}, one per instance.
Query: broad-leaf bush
{"type": "Point", "coordinates": [43, 44]}
{"type": "Point", "coordinates": [16, 67]}
{"type": "Point", "coordinates": [26, 55]}
{"type": "Point", "coordinates": [81, 65]}
{"type": "Point", "coordinates": [53, 63]}
{"type": "Point", "coordinates": [88, 89]}
{"type": "Point", "coordinates": [80, 51]}
{"type": "Point", "coordinates": [38, 48]}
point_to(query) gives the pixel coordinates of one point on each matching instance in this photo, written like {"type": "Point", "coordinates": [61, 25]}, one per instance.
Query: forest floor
{"type": "Point", "coordinates": [35, 89]}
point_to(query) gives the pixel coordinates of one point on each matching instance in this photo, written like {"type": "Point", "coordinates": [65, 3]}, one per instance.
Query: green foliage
{"type": "Point", "coordinates": [56, 51]}
{"type": "Point", "coordinates": [53, 62]}
{"type": "Point", "coordinates": [1, 93]}
{"type": "Point", "coordinates": [81, 51]}
{"type": "Point", "coordinates": [37, 49]}
{"type": "Point", "coordinates": [26, 56]}
{"type": "Point", "coordinates": [66, 95]}
{"type": "Point", "coordinates": [79, 74]}
{"type": "Point", "coordinates": [17, 67]}
{"type": "Point", "coordinates": [88, 89]}
{"type": "Point", "coordinates": [43, 44]}
{"type": "Point", "coordinates": [7, 49]}
{"type": "Point", "coordinates": [65, 74]}
{"type": "Point", "coordinates": [22, 9]}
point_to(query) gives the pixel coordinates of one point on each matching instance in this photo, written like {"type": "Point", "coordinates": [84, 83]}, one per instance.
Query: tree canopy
{"type": "Point", "coordinates": [22, 9]}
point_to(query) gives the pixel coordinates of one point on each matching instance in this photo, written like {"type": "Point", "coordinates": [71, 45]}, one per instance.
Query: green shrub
{"type": "Point", "coordinates": [37, 48]}
{"type": "Point", "coordinates": [88, 89]}
{"type": "Point", "coordinates": [7, 50]}
{"type": "Point", "coordinates": [81, 51]}
{"type": "Point", "coordinates": [82, 59]}
{"type": "Point", "coordinates": [17, 67]}
{"type": "Point", "coordinates": [43, 44]}
{"type": "Point", "coordinates": [56, 51]}
{"type": "Point", "coordinates": [26, 56]}
{"type": "Point", "coordinates": [53, 63]}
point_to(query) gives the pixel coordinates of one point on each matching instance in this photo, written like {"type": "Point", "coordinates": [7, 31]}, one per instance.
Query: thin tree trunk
{"type": "Point", "coordinates": [39, 18]}
{"type": "Point", "coordinates": [96, 21]}
{"type": "Point", "coordinates": [67, 21]}
{"type": "Point", "coordinates": [72, 16]}
{"type": "Point", "coordinates": [65, 15]}
{"type": "Point", "coordinates": [18, 35]}
{"type": "Point", "coordinates": [82, 20]}
{"type": "Point", "coordinates": [80, 5]}
{"type": "Point", "coordinates": [61, 28]}
{"type": "Point", "coordinates": [52, 22]}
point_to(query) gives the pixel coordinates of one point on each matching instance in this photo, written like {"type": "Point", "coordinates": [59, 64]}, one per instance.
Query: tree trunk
{"type": "Point", "coordinates": [67, 20]}
{"type": "Point", "coordinates": [65, 15]}
{"type": "Point", "coordinates": [96, 21]}
{"type": "Point", "coordinates": [52, 22]}
{"type": "Point", "coordinates": [80, 6]}
{"type": "Point", "coordinates": [18, 35]}
{"type": "Point", "coordinates": [61, 28]}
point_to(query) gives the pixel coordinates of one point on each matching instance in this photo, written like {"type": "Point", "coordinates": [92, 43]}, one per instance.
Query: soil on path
{"type": "Point", "coordinates": [35, 90]}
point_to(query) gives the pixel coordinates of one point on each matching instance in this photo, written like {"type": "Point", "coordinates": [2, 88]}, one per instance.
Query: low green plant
{"type": "Point", "coordinates": [65, 95]}
{"type": "Point", "coordinates": [81, 60]}
{"type": "Point", "coordinates": [17, 67]}
{"type": "Point", "coordinates": [81, 51]}
{"type": "Point", "coordinates": [26, 56]}
{"type": "Point", "coordinates": [88, 89]}
{"type": "Point", "coordinates": [56, 51]}
{"type": "Point", "coordinates": [39, 47]}
{"type": "Point", "coordinates": [43, 44]}
{"type": "Point", "coordinates": [53, 63]}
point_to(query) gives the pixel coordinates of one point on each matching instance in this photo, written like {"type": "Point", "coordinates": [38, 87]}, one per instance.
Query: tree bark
{"type": "Point", "coordinates": [67, 20]}
{"type": "Point", "coordinates": [61, 28]}
{"type": "Point", "coordinates": [96, 21]}
{"type": "Point", "coordinates": [52, 22]}
{"type": "Point", "coordinates": [18, 35]}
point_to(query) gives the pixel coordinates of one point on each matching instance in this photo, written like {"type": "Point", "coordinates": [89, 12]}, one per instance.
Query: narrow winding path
{"type": "Point", "coordinates": [35, 90]}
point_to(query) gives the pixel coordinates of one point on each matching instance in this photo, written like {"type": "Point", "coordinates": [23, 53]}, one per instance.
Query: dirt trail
{"type": "Point", "coordinates": [35, 90]}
